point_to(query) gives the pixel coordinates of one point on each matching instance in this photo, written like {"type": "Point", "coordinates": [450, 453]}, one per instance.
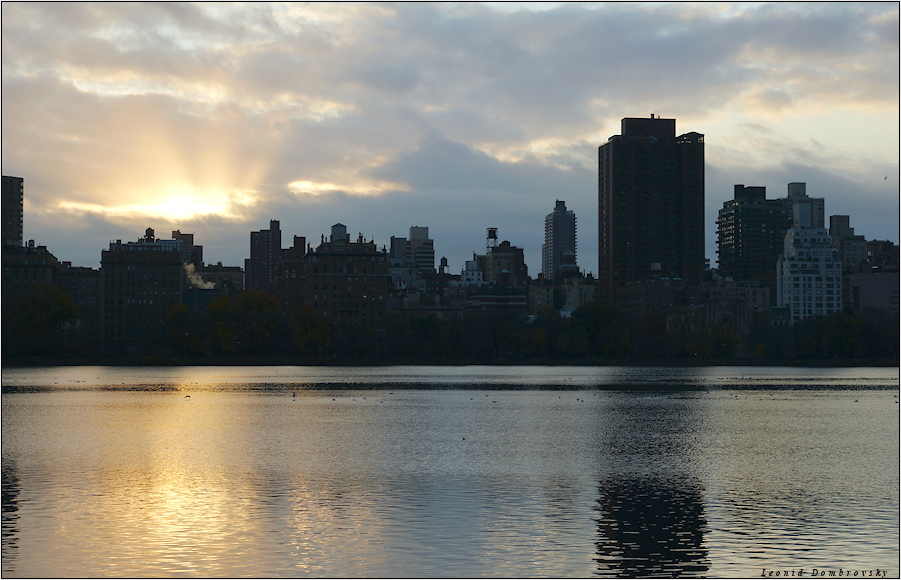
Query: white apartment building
{"type": "Point", "coordinates": [470, 277]}
{"type": "Point", "coordinates": [809, 273]}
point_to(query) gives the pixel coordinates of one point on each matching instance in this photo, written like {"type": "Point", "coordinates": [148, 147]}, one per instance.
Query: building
{"type": "Point", "coordinates": [882, 255]}
{"type": "Point", "coordinates": [653, 297]}
{"type": "Point", "coordinates": [471, 276]}
{"type": "Point", "coordinates": [24, 267]}
{"type": "Point", "coordinates": [750, 236]}
{"type": "Point", "coordinates": [499, 300]}
{"type": "Point", "coordinates": [399, 254]}
{"type": "Point", "coordinates": [82, 285]}
{"type": "Point", "coordinates": [505, 264]}
{"type": "Point", "coordinates": [13, 198]}
{"type": "Point", "coordinates": [346, 281]}
{"type": "Point", "coordinates": [650, 205]}
{"type": "Point", "coordinates": [561, 295]}
{"type": "Point", "coordinates": [422, 249]}
{"type": "Point", "coordinates": [230, 278]}
{"type": "Point", "coordinates": [559, 237]}
{"type": "Point", "coordinates": [809, 272]}
{"type": "Point", "coordinates": [874, 291]}
{"type": "Point", "coordinates": [140, 282]}
{"type": "Point", "coordinates": [288, 284]}
{"type": "Point", "coordinates": [543, 296]}
{"type": "Point", "coordinates": [265, 251]}
{"type": "Point", "coordinates": [852, 250]}
{"type": "Point", "coordinates": [190, 254]}
{"type": "Point", "coordinates": [797, 193]}
{"type": "Point", "coordinates": [735, 304]}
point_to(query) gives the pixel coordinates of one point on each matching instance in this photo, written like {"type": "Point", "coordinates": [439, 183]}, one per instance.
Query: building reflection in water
{"type": "Point", "coordinates": [9, 530]}
{"type": "Point", "coordinates": [651, 512]}
{"type": "Point", "coordinates": [651, 528]}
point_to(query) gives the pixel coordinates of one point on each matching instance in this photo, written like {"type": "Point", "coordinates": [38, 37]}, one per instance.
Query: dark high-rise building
{"type": "Point", "coordinates": [400, 254]}
{"type": "Point", "coordinates": [13, 193]}
{"type": "Point", "coordinates": [422, 249]}
{"type": "Point", "coordinates": [288, 282]}
{"type": "Point", "coordinates": [265, 251]}
{"type": "Point", "coordinates": [190, 254]}
{"type": "Point", "coordinates": [852, 250]}
{"type": "Point", "coordinates": [750, 235]}
{"type": "Point", "coordinates": [559, 237]}
{"type": "Point", "coordinates": [140, 282]}
{"type": "Point", "coordinates": [650, 205]}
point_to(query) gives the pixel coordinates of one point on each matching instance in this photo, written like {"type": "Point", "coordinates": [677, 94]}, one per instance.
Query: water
{"type": "Point", "coordinates": [448, 471]}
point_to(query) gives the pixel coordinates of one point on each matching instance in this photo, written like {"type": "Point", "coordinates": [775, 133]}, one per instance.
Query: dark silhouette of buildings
{"type": "Point", "coordinates": [265, 251]}
{"type": "Point", "coordinates": [559, 237]}
{"type": "Point", "coordinates": [411, 260]}
{"type": "Point", "coordinates": [230, 278]}
{"type": "Point", "coordinates": [750, 234]}
{"type": "Point", "coordinates": [190, 254]}
{"type": "Point", "coordinates": [288, 284]}
{"type": "Point", "coordinates": [82, 285]}
{"type": "Point", "coordinates": [346, 281]}
{"type": "Point", "coordinates": [140, 282]}
{"type": "Point", "coordinates": [422, 249]}
{"type": "Point", "coordinates": [13, 197]}
{"type": "Point", "coordinates": [852, 249]}
{"type": "Point", "coordinates": [650, 205]}
{"type": "Point", "coordinates": [24, 267]}
{"type": "Point", "coordinates": [883, 254]}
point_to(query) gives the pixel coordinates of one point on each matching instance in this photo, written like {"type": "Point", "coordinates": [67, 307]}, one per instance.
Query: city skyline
{"type": "Point", "coordinates": [215, 120]}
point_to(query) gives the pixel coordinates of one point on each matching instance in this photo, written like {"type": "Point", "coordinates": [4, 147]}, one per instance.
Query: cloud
{"type": "Point", "coordinates": [460, 116]}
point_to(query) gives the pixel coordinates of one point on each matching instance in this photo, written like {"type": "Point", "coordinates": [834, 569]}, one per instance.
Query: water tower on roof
{"type": "Point", "coordinates": [490, 239]}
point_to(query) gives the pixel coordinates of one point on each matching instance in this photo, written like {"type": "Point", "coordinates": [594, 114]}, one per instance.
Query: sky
{"type": "Point", "coordinates": [214, 118]}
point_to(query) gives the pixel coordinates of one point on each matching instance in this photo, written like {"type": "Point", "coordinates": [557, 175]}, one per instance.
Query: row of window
{"type": "Point", "coordinates": [25, 278]}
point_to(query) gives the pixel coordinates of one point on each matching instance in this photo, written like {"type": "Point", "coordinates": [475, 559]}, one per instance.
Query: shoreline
{"type": "Point", "coordinates": [167, 361]}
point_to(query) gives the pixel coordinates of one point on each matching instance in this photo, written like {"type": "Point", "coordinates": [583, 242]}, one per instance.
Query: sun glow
{"type": "Point", "coordinates": [363, 188]}
{"type": "Point", "coordinates": [182, 204]}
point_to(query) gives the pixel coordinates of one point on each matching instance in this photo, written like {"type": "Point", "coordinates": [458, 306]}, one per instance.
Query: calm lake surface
{"type": "Point", "coordinates": [448, 471]}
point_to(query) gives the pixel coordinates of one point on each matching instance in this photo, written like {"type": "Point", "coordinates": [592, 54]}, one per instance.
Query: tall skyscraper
{"type": "Point", "coordinates": [13, 194]}
{"type": "Point", "coordinates": [265, 251]}
{"type": "Point", "coordinates": [559, 237]}
{"type": "Point", "coordinates": [650, 205]}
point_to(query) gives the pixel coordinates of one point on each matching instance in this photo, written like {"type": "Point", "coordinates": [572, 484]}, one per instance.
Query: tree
{"type": "Point", "coordinates": [718, 341]}
{"type": "Point", "coordinates": [878, 333]}
{"type": "Point", "coordinates": [185, 331]}
{"type": "Point", "coordinates": [41, 319]}
{"type": "Point", "coordinates": [606, 329]}
{"type": "Point", "coordinates": [842, 332]}
{"type": "Point", "coordinates": [248, 324]}
{"type": "Point", "coordinates": [311, 331]}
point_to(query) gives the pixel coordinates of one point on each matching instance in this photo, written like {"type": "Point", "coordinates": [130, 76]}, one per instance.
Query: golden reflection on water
{"type": "Point", "coordinates": [208, 481]}
{"type": "Point", "coordinates": [174, 490]}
